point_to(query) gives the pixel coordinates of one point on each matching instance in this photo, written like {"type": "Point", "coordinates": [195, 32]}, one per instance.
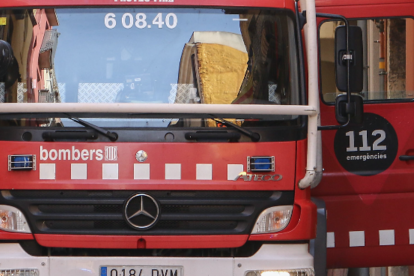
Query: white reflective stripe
{"type": "Point", "coordinates": [47, 171]}
{"type": "Point", "coordinates": [386, 237]}
{"type": "Point", "coordinates": [109, 171]}
{"type": "Point", "coordinates": [78, 171]}
{"type": "Point", "coordinates": [233, 170]}
{"type": "Point", "coordinates": [173, 171]}
{"type": "Point", "coordinates": [330, 239]}
{"type": "Point", "coordinates": [356, 238]}
{"type": "Point", "coordinates": [204, 171]}
{"type": "Point", "coordinates": [142, 171]}
{"type": "Point", "coordinates": [411, 234]}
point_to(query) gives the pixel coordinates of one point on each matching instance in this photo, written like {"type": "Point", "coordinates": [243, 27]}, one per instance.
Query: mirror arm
{"type": "Point", "coordinates": [334, 127]}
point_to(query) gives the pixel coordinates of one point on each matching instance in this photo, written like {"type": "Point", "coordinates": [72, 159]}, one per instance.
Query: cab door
{"type": "Point", "coordinates": [368, 181]}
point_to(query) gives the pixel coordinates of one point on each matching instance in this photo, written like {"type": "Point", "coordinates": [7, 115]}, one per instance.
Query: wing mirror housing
{"type": "Point", "coordinates": [349, 108]}
{"type": "Point", "coordinates": [349, 74]}
{"type": "Point", "coordinates": [355, 58]}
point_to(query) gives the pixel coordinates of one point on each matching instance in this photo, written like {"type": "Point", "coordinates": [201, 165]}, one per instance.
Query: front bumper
{"type": "Point", "coordinates": [269, 257]}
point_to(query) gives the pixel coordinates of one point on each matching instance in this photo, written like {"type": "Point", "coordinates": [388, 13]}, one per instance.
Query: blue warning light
{"type": "Point", "coordinates": [261, 164]}
{"type": "Point", "coordinates": [21, 162]}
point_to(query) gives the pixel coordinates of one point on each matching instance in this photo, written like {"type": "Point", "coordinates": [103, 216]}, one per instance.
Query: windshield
{"type": "Point", "coordinates": [148, 55]}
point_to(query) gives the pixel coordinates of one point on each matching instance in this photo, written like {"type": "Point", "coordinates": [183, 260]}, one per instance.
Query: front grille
{"type": "Point", "coordinates": [181, 212]}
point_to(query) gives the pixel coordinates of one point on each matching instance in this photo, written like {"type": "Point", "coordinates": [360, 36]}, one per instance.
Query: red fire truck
{"type": "Point", "coordinates": [368, 169]}
{"type": "Point", "coordinates": [173, 137]}
{"type": "Point", "coordinates": [156, 138]}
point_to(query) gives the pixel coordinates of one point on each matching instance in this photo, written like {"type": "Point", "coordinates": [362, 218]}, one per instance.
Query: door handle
{"type": "Point", "coordinates": [406, 157]}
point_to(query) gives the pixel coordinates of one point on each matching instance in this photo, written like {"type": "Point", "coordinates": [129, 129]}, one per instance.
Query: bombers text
{"type": "Point", "coordinates": [71, 154]}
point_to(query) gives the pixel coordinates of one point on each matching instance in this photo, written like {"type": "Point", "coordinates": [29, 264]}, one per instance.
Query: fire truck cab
{"type": "Point", "coordinates": [176, 138]}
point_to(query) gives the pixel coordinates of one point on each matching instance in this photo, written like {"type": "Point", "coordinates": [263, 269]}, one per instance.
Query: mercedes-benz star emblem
{"type": "Point", "coordinates": [141, 211]}
{"type": "Point", "coordinates": [141, 156]}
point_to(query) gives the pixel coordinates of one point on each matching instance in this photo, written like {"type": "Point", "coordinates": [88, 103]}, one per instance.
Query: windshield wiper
{"type": "Point", "coordinates": [253, 135]}
{"type": "Point", "coordinates": [113, 136]}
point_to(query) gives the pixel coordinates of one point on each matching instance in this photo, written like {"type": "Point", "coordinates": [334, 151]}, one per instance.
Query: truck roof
{"type": "Point", "coordinates": [210, 3]}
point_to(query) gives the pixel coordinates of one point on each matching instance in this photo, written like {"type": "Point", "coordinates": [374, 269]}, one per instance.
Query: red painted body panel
{"type": "Point", "coordinates": [373, 10]}
{"type": "Point", "coordinates": [371, 213]}
{"type": "Point", "coordinates": [134, 242]}
{"type": "Point", "coordinates": [398, 178]}
{"type": "Point", "coordinates": [371, 256]}
{"type": "Point", "coordinates": [370, 205]}
{"type": "Point", "coordinates": [15, 236]}
{"type": "Point", "coordinates": [217, 154]}
{"type": "Point", "coordinates": [302, 226]}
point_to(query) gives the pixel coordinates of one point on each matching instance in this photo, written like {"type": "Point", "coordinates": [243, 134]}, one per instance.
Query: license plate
{"type": "Point", "coordinates": [141, 270]}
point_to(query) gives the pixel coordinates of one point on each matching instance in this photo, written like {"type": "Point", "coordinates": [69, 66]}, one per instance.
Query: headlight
{"type": "Point", "coordinates": [289, 272]}
{"type": "Point", "coordinates": [12, 220]}
{"type": "Point", "coordinates": [273, 220]}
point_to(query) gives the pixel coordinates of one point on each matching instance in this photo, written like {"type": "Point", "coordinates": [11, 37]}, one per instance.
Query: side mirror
{"type": "Point", "coordinates": [356, 63]}
{"type": "Point", "coordinates": [356, 109]}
